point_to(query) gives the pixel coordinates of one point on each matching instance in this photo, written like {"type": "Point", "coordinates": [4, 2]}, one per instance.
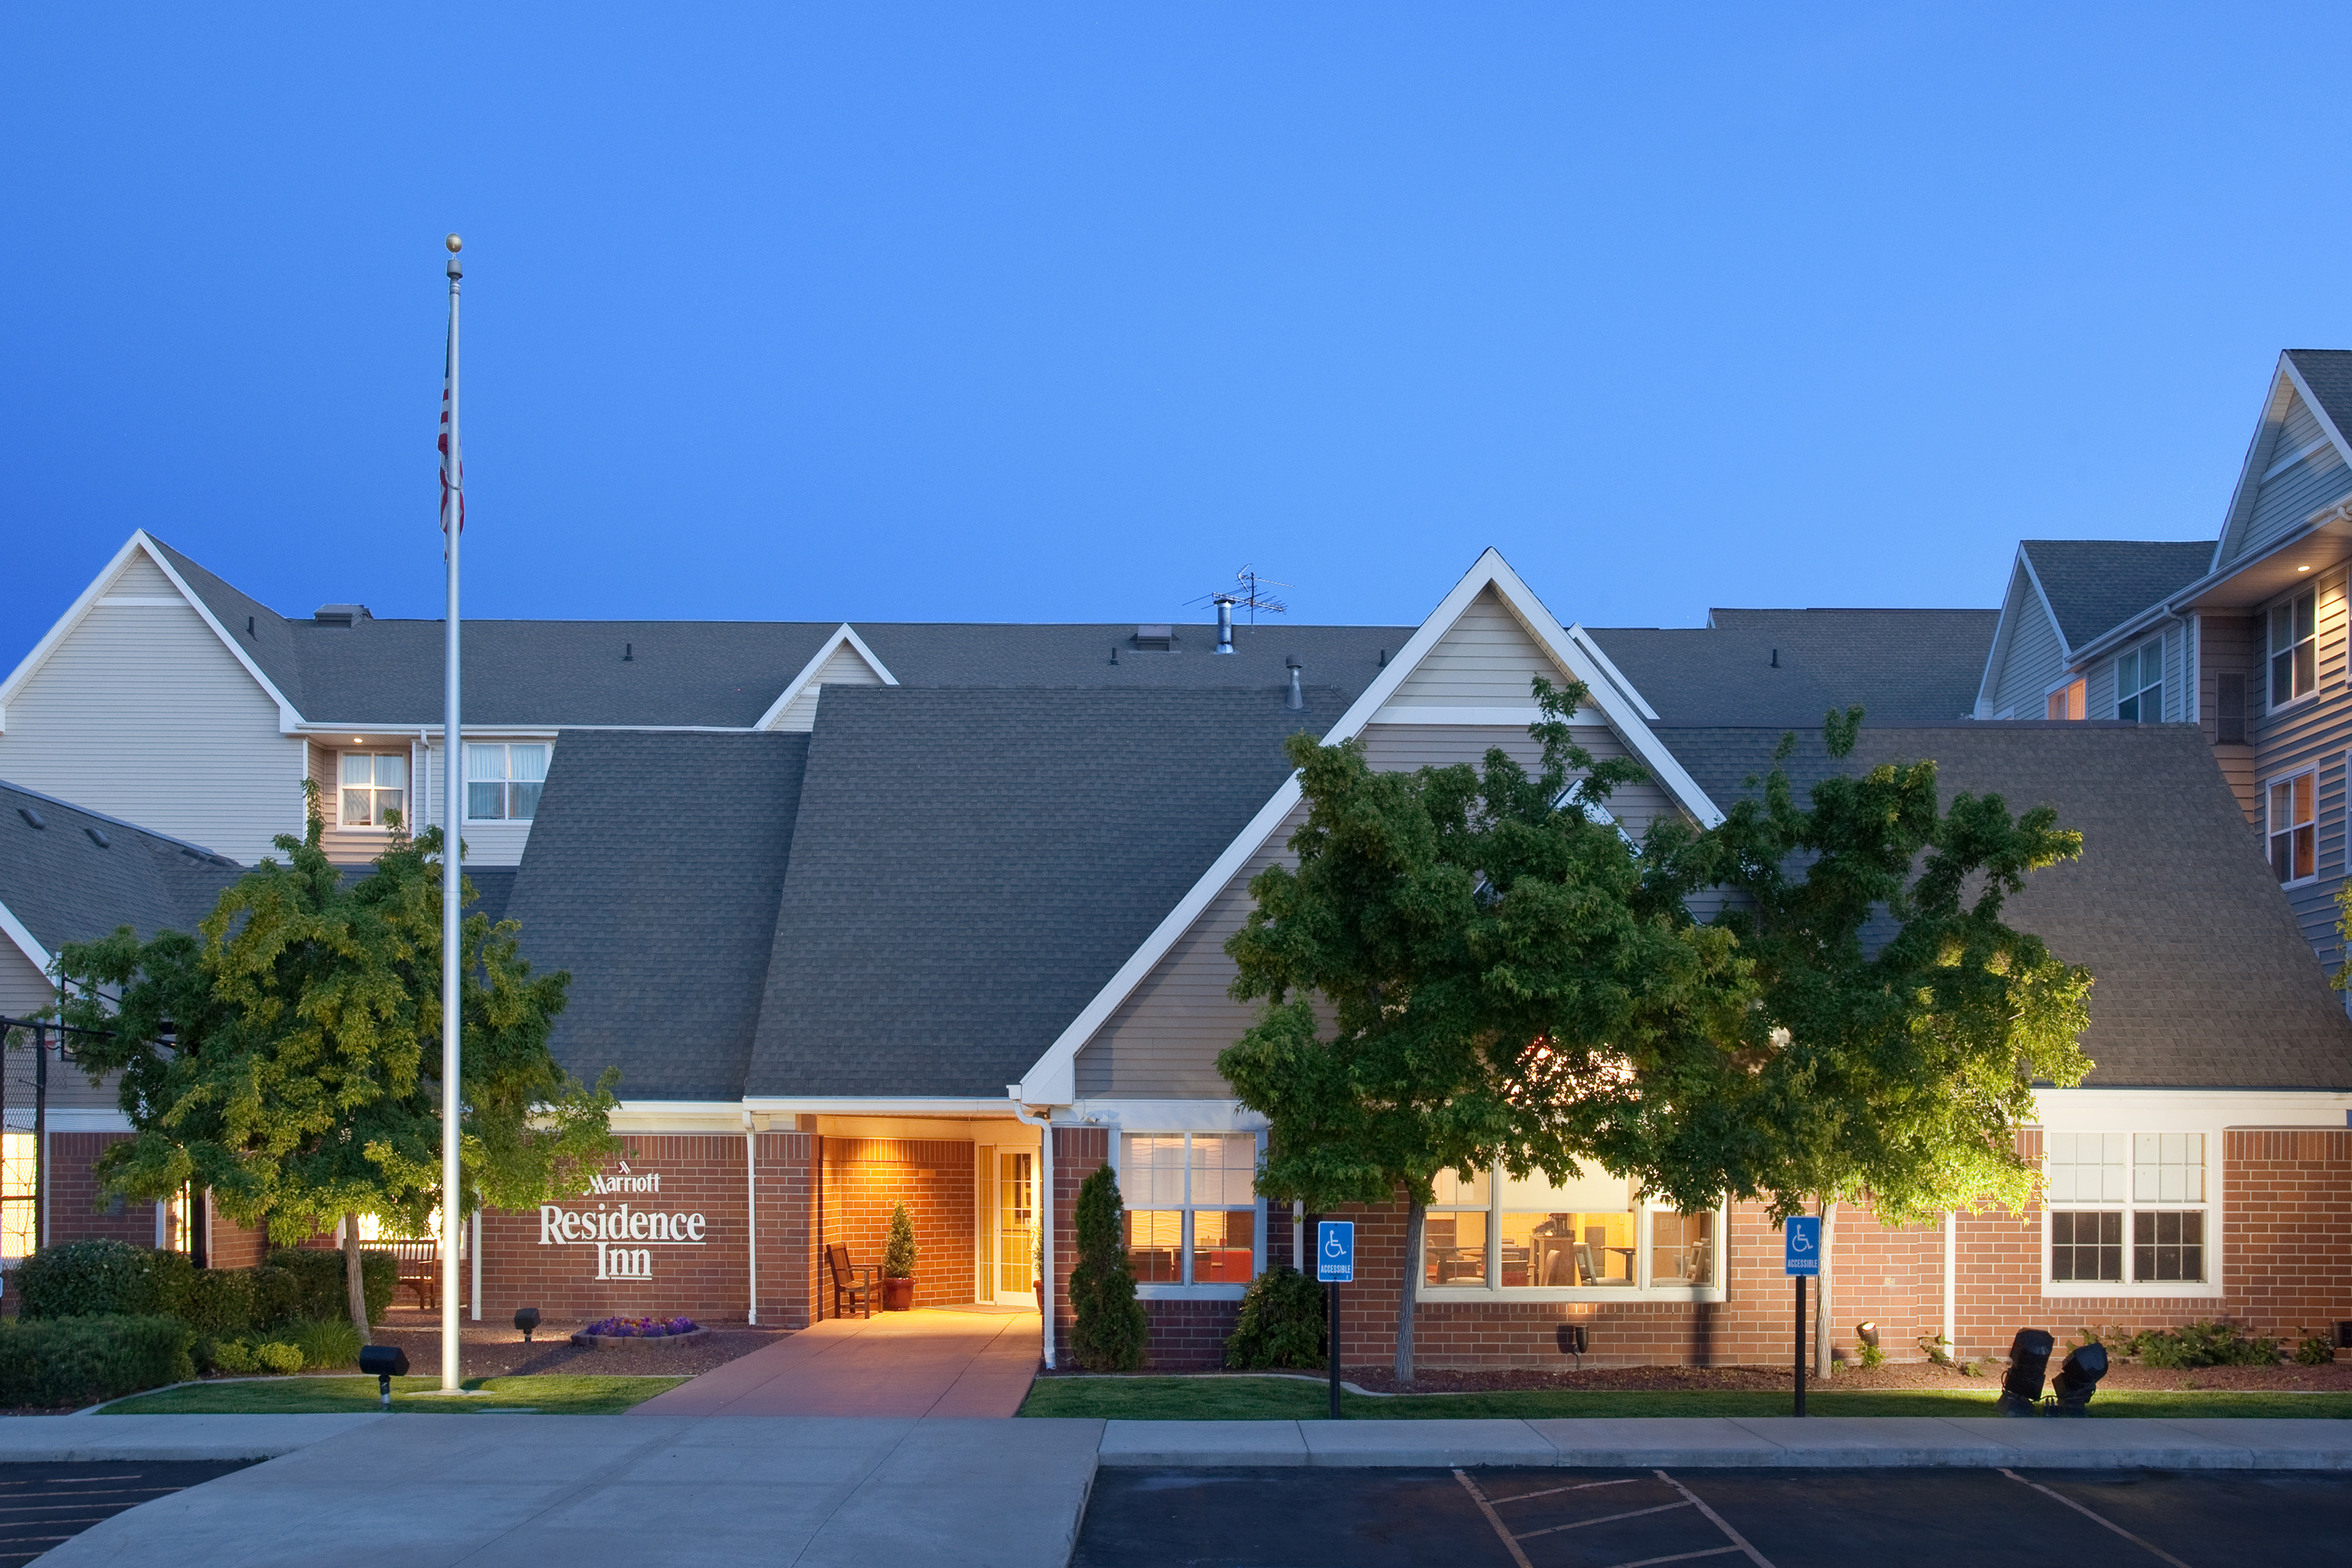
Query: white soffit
{"type": "Point", "coordinates": [1053, 1081]}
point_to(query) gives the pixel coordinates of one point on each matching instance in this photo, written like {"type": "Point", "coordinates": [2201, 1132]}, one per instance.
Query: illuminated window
{"type": "Point", "coordinates": [2294, 649]}
{"type": "Point", "coordinates": [1190, 1207]}
{"type": "Point", "coordinates": [2068, 701]}
{"type": "Point", "coordinates": [16, 1195]}
{"type": "Point", "coordinates": [375, 788]}
{"type": "Point", "coordinates": [2294, 828]}
{"type": "Point", "coordinates": [1492, 1231]}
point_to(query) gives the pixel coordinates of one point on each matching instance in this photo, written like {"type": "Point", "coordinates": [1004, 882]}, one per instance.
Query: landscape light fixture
{"type": "Point", "coordinates": [1574, 1339]}
{"type": "Point", "coordinates": [527, 1319]}
{"type": "Point", "coordinates": [2079, 1379]}
{"type": "Point", "coordinates": [2029, 1359]}
{"type": "Point", "coordinates": [1867, 1332]}
{"type": "Point", "coordinates": [384, 1363]}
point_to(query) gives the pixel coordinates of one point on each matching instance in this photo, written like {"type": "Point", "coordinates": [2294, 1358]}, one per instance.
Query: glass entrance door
{"type": "Point", "coordinates": [1016, 1228]}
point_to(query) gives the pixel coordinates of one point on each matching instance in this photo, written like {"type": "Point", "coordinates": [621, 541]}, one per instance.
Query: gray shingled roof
{"type": "Point", "coordinates": [2097, 585]}
{"type": "Point", "coordinates": [653, 875]}
{"type": "Point", "coordinates": [725, 674]}
{"type": "Point", "coordinates": [969, 867]}
{"type": "Point", "coordinates": [2328, 373]}
{"type": "Point", "coordinates": [66, 887]}
{"type": "Point", "coordinates": [2203, 978]}
{"type": "Point", "coordinates": [1898, 664]}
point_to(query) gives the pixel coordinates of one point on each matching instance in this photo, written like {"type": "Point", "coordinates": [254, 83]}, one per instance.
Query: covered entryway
{"type": "Point", "coordinates": [926, 1363]}
{"type": "Point", "coordinates": [972, 1186]}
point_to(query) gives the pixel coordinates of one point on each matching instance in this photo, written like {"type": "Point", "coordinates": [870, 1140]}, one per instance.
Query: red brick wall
{"type": "Point", "coordinates": [700, 1174]}
{"type": "Point", "coordinates": [864, 1177]}
{"type": "Point", "coordinates": [1078, 1153]}
{"type": "Point", "coordinates": [2288, 1226]}
{"type": "Point", "coordinates": [75, 1214]}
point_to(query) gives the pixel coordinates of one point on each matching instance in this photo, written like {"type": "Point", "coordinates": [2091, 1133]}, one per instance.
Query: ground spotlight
{"type": "Point", "coordinates": [1574, 1339]}
{"type": "Point", "coordinates": [384, 1363]}
{"type": "Point", "coordinates": [2079, 1379]}
{"type": "Point", "coordinates": [1867, 1332]}
{"type": "Point", "coordinates": [527, 1319]}
{"type": "Point", "coordinates": [2029, 1359]}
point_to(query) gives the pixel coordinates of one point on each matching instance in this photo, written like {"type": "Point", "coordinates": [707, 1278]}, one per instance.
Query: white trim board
{"type": "Point", "coordinates": [1053, 1079]}
{"type": "Point", "coordinates": [21, 934]}
{"type": "Point", "coordinates": [844, 634]}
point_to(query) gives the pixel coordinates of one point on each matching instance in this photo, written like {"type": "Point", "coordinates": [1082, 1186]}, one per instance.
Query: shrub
{"type": "Point", "coordinates": [2314, 1350]}
{"type": "Point", "coordinates": [1870, 1356]}
{"type": "Point", "coordinates": [2206, 1343]}
{"type": "Point", "coordinates": [276, 1295]}
{"type": "Point", "coordinates": [233, 1356]}
{"type": "Point", "coordinates": [51, 1362]}
{"type": "Point", "coordinates": [87, 1279]}
{"type": "Point", "coordinates": [326, 1343]}
{"type": "Point", "coordinates": [216, 1302]}
{"type": "Point", "coordinates": [282, 1358]}
{"type": "Point", "coordinates": [898, 1252]}
{"type": "Point", "coordinates": [318, 1289]}
{"type": "Point", "coordinates": [1281, 1322]}
{"type": "Point", "coordinates": [1108, 1335]}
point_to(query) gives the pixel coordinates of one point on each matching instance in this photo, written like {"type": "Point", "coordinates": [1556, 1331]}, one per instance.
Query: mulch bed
{"type": "Point", "coordinates": [1893, 1376]}
{"type": "Point", "coordinates": [496, 1349]}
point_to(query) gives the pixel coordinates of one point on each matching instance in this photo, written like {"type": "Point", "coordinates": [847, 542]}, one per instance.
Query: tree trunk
{"type": "Point", "coordinates": [1417, 1215]}
{"type": "Point", "coordinates": [1824, 1318]}
{"type": "Point", "coordinates": [354, 1279]}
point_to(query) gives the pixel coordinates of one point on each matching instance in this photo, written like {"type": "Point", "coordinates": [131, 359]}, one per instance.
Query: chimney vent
{"type": "Point", "coordinates": [340, 615]}
{"type": "Point", "coordinates": [628, 653]}
{"type": "Point", "coordinates": [1295, 698]}
{"type": "Point", "coordinates": [1224, 623]}
{"type": "Point", "coordinates": [1161, 636]}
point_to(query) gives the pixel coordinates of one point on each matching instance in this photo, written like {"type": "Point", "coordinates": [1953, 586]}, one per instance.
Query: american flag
{"type": "Point", "coordinates": [447, 458]}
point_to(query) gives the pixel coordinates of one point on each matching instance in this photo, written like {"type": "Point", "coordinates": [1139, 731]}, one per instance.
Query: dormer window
{"type": "Point", "coordinates": [503, 781]}
{"type": "Point", "coordinates": [2294, 649]}
{"type": "Point", "coordinates": [375, 788]}
{"type": "Point", "coordinates": [2066, 702]}
{"type": "Point", "coordinates": [2139, 684]}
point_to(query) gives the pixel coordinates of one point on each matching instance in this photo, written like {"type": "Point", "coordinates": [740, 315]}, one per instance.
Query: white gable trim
{"type": "Point", "coordinates": [288, 720]}
{"type": "Point", "coordinates": [1053, 1081]}
{"type": "Point", "coordinates": [799, 683]}
{"type": "Point", "coordinates": [19, 932]}
{"type": "Point", "coordinates": [2263, 456]}
{"type": "Point", "coordinates": [2005, 629]}
{"type": "Point", "coordinates": [2319, 409]}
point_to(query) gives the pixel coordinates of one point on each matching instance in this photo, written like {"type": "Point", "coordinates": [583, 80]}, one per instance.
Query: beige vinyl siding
{"type": "Point", "coordinates": [2030, 656]}
{"type": "Point", "coordinates": [142, 578]}
{"type": "Point", "coordinates": [486, 843]}
{"type": "Point", "coordinates": [2300, 428]}
{"type": "Point", "coordinates": [2099, 696]}
{"type": "Point", "coordinates": [1401, 747]}
{"type": "Point", "coordinates": [2289, 496]}
{"type": "Point", "coordinates": [2176, 707]}
{"type": "Point", "coordinates": [1485, 660]}
{"type": "Point", "coordinates": [2230, 645]}
{"type": "Point", "coordinates": [142, 713]}
{"type": "Point", "coordinates": [24, 991]}
{"type": "Point", "coordinates": [1162, 1041]}
{"type": "Point", "coordinates": [2313, 732]}
{"type": "Point", "coordinates": [843, 667]}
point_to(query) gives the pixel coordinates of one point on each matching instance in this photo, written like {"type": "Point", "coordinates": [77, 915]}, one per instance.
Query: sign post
{"type": "Point", "coordinates": [1334, 1265]}
{"type": "Point", "coordinates": [1800, 1259]}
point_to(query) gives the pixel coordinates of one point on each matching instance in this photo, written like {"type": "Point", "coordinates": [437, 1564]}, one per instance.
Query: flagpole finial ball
{"type": "Point", "coordinates": [456, 245]}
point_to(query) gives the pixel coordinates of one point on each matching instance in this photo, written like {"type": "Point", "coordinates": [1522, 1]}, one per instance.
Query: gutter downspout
{"type": "Point", "coordinates": [1952, 1285]}
{"type": "Point", "coordinates": [1044, 1125]}
{"type": "Point", "coordinates": [751, 1211]}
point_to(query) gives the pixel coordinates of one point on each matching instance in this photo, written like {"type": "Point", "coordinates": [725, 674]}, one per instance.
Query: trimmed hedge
{"type": "Point", "coordinates": [87, 1279]}
{"type": "Point", "coordinates": [1281, 1322]}
{"type": "Point", "coordinates": [75, 1361]}
{"type": "Point", "coordinates": [318, 1281]}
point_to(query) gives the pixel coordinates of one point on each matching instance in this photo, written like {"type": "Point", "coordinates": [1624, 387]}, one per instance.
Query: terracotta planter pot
{"type": "Point", "coordinates": [897, 1295]}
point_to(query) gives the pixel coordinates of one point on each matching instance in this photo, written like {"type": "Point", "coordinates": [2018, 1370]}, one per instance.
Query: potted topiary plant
{"type": "Point", "coordinates": [899, 1262]}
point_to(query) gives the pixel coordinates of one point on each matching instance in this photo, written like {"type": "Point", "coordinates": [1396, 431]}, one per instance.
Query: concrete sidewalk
{"type": "Point", "coordinates": [932, 1364]}
{"type": "Point", "coordinates": [1700, 1442]}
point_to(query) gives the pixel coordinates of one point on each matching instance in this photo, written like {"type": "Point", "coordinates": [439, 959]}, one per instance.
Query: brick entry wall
{"type": "Point", "coordinates": [934, 1178]}
{"type": "Point", "coordinates": [700, 1174]}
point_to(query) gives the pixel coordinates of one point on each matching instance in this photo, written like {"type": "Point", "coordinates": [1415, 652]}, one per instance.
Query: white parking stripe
{"type": "Point", "coordinates": [1501, 1533]}
{"type": "Point", "coordinates": [1717, 1521]}
{"type": "Point", "coordinates": [1677, 1557]}
{"type": "Point", "coordinates": [1555, 1491]}
{"type": "Point", "coordinates": [2086, 1513]}
{"type": "Point", "coordinates": [1604, 1519]}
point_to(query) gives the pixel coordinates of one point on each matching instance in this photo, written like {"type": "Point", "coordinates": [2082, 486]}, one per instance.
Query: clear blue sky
{"type": "Point", "coordinates": [1037, 313]}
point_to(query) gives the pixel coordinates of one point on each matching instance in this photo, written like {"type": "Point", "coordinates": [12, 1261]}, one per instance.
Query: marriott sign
{"type": "Point", "coordinates": [612, 1230]}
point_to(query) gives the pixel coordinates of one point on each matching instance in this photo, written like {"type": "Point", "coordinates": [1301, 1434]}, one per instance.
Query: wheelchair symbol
{"type": "Point", "coordinates": [1333, 1247]}
{"type": "Point", "coordinates": [1801, 1241]}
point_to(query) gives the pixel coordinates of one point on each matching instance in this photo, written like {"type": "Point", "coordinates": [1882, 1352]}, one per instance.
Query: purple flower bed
{"type": "Point", "coordinates": [641, 1327]}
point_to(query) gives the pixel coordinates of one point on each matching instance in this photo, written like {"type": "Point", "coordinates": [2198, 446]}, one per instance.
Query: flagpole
{"type": "Point", "coordinates": [453, 528]}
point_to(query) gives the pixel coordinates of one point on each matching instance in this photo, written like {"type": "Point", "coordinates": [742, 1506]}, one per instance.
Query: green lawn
{"type": "Point", "coordinates": [550, 1394]}
{"type": "Point", "coordinates": [1284, 1399]}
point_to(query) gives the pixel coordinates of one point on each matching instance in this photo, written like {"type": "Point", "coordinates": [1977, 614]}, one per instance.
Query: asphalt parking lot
{"type": "Point", "coordinates": [41, 1505]}
{"type": "Point", "coordinates": [1313, 1518]}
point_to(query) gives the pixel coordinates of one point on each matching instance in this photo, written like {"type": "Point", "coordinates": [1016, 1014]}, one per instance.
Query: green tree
{"type": "Point", "coordinates": [302, 1083]}
{"type": "Point", "coordinates": [1109, 1327]}
{"type": "Point", "coordinates": [1900, 1023]}
{"type": "Point", "coordinates": [1469, 965]}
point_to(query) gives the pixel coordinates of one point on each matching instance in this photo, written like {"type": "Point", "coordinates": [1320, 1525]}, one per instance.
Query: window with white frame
{"type": "Point", "coordinates": [1190, 1207]}
{"type": "Point", "coordinates": [2139, 684]}
{"type": "Point", "coordinates": [2294, 648]}
{"type": "Point", "coordinates": [2127, 1207]}
{"type": "Point", "coordinates": [2066, 702]}
{"type": "Point", "coordinates": [2294, 828]}
{"type": "Point", "coordinates": [374, 788]}
{"type": "Point", "coordinates": [503, 781]}
{"type": "Point", "coordinates": [1489, 1230]}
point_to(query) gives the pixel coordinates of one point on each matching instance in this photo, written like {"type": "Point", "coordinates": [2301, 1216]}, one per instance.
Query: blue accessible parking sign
{"type": "Point", "coordinates": [1334, 1252]}
{"type": "Point", "coordinates": [1800, 1240]}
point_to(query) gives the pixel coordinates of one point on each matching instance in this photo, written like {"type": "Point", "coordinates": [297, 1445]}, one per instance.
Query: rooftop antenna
{"type": "Point", "coordinates": [1248, 593]}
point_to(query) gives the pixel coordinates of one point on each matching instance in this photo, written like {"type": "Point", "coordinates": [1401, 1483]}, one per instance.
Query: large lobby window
{"type": "Point", "coordinates": [1490, 1231]}
{"type": "Point", "coordinates": [1191, 1207]}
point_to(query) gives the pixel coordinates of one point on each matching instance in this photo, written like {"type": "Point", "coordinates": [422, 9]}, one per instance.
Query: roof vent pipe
{"type": "Point", "coordinates": [1224, 624]}
{"type": "Point", "coordinates": [1295, 698]}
